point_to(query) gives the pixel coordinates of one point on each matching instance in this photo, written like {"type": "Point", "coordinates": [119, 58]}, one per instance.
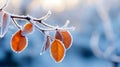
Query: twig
{"type": "Point", "coordinates": [16, 24]}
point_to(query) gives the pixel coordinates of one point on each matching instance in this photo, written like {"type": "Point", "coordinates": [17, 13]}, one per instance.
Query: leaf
{"type": "Point", "coordinates": [28, 28]}
{"type": "Point", "coordinates": [18, 42]}
{"type": "Point", "coordinates": [57, 50]}
{"type": "Point", "coordinates": [65, 37]}
{"type": "Point", "coordinates": [58, 35]}
{"type": "Point", "coordinates": [5, 21]}
{"type": "Point", "coordinates": [46, 45]}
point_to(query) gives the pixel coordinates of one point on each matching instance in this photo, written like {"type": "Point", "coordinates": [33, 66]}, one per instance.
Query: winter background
{"type": "Point", "coordinates": [94, 20]}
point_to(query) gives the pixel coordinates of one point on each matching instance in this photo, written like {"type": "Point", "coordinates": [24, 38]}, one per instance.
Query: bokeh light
{"type": "Point", "coordinates": [56, 5]}
{"type": "Point", "coordinates": [59, 5]}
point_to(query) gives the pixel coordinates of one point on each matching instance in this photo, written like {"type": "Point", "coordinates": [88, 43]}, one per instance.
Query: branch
{"type": "Point", "coordinates": [95, 44]}
{"type": "Point", "coordinates": [18, 26]}
{"type": "Point", "coordinates": [108, 54]}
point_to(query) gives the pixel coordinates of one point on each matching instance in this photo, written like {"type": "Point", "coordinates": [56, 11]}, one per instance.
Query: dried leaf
{"type": "Point", "coordinates": [5, 21]}
{"type": "Point", "coordinates": [57, 50]}
{"type": "Point", "coordinates": [28, 28]}
{"type": "Point", "coordinates": [46, 45]}
{"type": "Point", "coordinates": [18, 42]}
{"type": "Point", "coordinates": [58, 35]}
{"type": "Point", "coordinates": [67, 38]}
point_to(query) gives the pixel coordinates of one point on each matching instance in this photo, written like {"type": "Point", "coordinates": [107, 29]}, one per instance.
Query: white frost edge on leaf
{"type": "Point", "coordinates": [6, 28]}
{"type": "Point", "coordinates": [64, 53]}
{"type": "Point", "coordinates": [22, 49]}
{"type": "Point", "coordinates": [43, 46]}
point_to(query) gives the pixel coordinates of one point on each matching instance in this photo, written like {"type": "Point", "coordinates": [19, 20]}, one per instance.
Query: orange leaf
{"type": "Point", "coordinates": [67, 39]}
{"type": "Point", "coordinates": [57, 50]}
{"type": "Point", "coordinates": [18, 42]}
{"type": "Point", "coordinates": [28, 28]}
{"type": "Point", "coordinates": [64, 36]}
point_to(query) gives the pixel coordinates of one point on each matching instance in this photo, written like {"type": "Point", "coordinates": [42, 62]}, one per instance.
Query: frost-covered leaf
{"type": "Point", "coordinates": [28, 28]}
{"type": "Point", "coordinates": [67, 38]}
{"type": "Point", "coordinates": [18, 42]}
{"type": "Point", "coordinates": [46, 45]}
{"type": "Point", "coordinates": [57, 50]}
{"type": "Point", "coordinates": [5, 21]}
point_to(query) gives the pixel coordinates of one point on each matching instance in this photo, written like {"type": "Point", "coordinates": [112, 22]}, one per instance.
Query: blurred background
{"type": "Point", "coordinates": [97, 22]}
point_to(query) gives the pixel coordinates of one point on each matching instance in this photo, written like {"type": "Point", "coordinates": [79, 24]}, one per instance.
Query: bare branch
{"type": "Point", "coordinates": [95, 44]}
{"type": "Point", "coordinates": [46, 16]}
{"type": "Point", "coordinates": [66, 23]}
